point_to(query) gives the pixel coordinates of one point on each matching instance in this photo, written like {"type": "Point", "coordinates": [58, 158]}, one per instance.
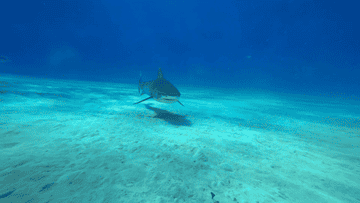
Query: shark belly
{"type": "Point", "coordinates": [167, 99]}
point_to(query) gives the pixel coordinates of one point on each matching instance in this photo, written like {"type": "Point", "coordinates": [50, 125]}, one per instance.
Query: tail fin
{"type": "Point", "coordinates": [160, 74]}
{"type": "Point", "coordinates": [140, 81]}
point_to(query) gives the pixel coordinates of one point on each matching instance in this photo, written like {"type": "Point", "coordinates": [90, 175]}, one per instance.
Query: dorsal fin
{"type": "Point", "coordinates": [160, 74]}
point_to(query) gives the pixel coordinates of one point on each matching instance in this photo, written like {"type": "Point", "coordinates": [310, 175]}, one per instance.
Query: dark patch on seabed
{"type": "Point", "coordinates": [171, 118]}
{"type": "Point", "coordinates": [21, 90]}
{"type": "Point", "coordinates": [46, 187]}
{"type": "Point", "coordinates": [4, 84]}
{"type": "Point", "coordinates": [53, 95]}
{"type": "Point", "coordinates": [9, 145]}
{"type": "Point", "coordinates": [6, 194]}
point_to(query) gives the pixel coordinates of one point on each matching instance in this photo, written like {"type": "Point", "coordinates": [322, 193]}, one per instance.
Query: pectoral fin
{"type": "Point", "coordinates": [143, 100]}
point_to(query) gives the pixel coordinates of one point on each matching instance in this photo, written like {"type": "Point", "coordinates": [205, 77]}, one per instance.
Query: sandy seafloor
{"type": "Point", "coordinates": [73, 141]}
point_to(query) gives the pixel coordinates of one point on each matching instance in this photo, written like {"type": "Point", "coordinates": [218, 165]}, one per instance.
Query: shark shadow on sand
{"type": "Point", "coordinates": [171, 118]}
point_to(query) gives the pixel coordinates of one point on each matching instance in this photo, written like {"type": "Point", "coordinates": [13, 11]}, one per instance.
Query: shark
{"type": "Point", "coordinates": [159, 89]}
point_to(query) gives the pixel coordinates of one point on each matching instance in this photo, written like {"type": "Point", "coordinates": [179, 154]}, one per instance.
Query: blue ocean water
{"type": "Point", "coordinates": [270, 94]}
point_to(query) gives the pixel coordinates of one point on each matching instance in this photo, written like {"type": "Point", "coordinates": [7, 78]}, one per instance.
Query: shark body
{"type": "Point", "coordinates": [160, 89]}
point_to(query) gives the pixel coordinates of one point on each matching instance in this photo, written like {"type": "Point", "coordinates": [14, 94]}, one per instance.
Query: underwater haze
{"type": "Point", "coordinates": [179, 101]}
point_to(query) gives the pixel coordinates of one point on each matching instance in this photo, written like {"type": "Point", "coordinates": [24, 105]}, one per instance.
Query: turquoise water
{"type": "Point", "coordinates": [79, 141]}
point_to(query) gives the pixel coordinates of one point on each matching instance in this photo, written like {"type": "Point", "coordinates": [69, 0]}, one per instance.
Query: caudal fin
{"type": "Point", "coordinates": [160, 74]}
{"type": "Point", "coordinates": [140, 83]}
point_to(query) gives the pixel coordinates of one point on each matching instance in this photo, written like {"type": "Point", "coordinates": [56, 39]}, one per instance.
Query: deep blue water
{"type": "Point", "coordinates": [309, 47]}
{"type": "Point", "coordinates": [270, 91]}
